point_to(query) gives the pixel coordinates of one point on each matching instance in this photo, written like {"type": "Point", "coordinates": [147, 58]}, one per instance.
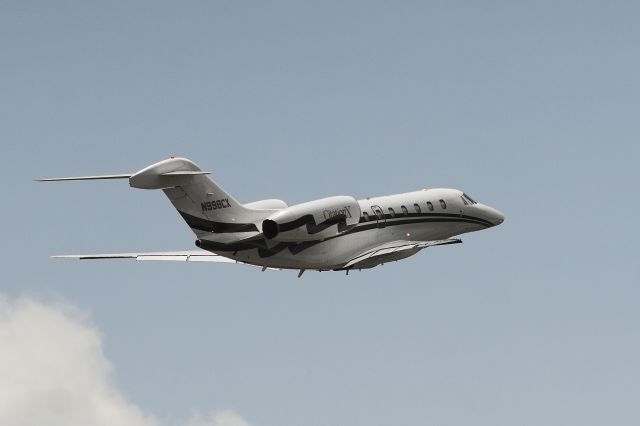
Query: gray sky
{"type": "Point", "coordinates": [530, 108]}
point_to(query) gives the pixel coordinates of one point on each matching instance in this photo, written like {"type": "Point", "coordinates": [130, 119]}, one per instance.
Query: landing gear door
{"type": "Point", "coordinates": [379, 214]}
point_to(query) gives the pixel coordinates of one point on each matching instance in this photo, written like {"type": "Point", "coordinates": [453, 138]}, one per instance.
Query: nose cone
{"type": "Point", "coordinates": [490, 214]}
{"type": "Point", "coordinates": [495, 216]}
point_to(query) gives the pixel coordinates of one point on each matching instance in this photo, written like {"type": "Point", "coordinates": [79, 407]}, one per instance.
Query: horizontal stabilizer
{"type": "Point", "coordinates": [123, 176]}
{"type": "Point", "coordinates": [185, 173]}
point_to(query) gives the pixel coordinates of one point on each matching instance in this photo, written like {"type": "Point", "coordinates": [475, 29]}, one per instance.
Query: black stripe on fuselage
{"type": "Point", "coordinates": [308, 220]}
{"type": "Point", "coordinates": [297, 247]}
{"type": "Point", "coordinates": [312, 227]}
{"type": "Point", "coordinates": [218, 227]}
{"type": "Point", "coordinates": [393, 219]}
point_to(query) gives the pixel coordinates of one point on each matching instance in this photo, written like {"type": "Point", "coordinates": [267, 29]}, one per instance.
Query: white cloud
{"type": "Point", "coordinates": [53, 372]}
{"type": "Point", "coordinates": [221, 418]}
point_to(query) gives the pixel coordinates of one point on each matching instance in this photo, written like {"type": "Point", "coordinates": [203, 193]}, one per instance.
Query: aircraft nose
{"type": "Point", "coordinates": [496, 217]}
{"type": "Point", "coordinates": [491, 215]}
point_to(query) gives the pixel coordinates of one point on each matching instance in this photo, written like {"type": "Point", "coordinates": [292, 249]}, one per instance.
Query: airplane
{"type": "Point", "coordinates": [337, 233]}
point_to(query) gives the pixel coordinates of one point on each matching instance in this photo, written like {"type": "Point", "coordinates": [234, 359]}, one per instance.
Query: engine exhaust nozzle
{"type": "Point", "coordinates": [270, 229]}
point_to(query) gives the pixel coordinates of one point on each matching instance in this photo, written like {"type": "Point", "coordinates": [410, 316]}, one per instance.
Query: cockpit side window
{"type": "Point", "coordinates": [471, 200]}
{"type": "Point", "coordinates": [443, 204]}
{"type": "Point", "coordinates": [430, 206]}
{"type": "Point", "coordinates": [464, 200]}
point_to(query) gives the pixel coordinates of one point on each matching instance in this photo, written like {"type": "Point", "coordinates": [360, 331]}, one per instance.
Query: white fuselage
{"type": "Point", "coordinates": [430, 214]}
{"type": "Point", "coordinates": [332, 233]}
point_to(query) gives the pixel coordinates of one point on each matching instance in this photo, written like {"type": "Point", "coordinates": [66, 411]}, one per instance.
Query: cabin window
{"type": "Point", "coordinates": [379, 213]}
{"type": "Point", "coordinates": [443, 204]}
{"type": "Point", "coordinates": [404, 210]}
{"type": "Point", "coordinates": [430, 206]}
{"type": "Point", "coordinates": [365, 216]}
{"type": "Point", "coordinates": [417, 207]}
{"type": "Point", "coordinates": [392, 213]}
{"type": "Point", "coordinates": [464, 200]}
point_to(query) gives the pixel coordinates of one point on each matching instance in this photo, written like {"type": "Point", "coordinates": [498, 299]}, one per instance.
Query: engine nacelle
{"type": "Point", "coordinates": [315, 220]}
{"type": "Point", "coordinates": [272, 204]}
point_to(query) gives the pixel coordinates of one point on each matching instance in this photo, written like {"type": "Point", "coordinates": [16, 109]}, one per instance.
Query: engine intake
{"type": "Point", "coordinates": [270, 229]}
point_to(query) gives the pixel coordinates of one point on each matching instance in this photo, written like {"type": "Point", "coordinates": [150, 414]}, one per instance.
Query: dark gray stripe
{"type": "Point", "coordinates": [295, 248]}
{"type": "Point", "coordinates": [207, 225]}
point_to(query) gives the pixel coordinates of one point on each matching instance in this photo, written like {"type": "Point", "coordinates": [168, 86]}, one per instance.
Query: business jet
{"type": "Point", "coordinates": [336, 233]}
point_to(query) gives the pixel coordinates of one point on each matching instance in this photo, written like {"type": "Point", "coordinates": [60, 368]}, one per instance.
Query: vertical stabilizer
{"type": "Point", "coordinates": [204, 205]}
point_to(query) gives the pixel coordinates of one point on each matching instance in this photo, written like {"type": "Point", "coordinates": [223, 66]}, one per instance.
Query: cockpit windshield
{"type": "Point", "coordinates": [469, 199]}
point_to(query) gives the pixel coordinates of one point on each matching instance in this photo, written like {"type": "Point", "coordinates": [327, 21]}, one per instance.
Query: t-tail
{"type": "Point", "coordinates": [202, 203]}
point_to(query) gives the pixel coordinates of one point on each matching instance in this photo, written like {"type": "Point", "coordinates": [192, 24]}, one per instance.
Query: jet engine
{"type": "Point", "coordinates": [315, 220]}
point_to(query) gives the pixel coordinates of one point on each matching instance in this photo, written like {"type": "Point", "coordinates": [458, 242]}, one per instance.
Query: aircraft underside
{"type": "Point", "coordinates": [334, 253]}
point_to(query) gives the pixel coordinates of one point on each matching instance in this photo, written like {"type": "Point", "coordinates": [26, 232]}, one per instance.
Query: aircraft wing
{"type": "Point", "coordinates": [393, 251]}
{"type": "Point", "coordinates": [180, 256]}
